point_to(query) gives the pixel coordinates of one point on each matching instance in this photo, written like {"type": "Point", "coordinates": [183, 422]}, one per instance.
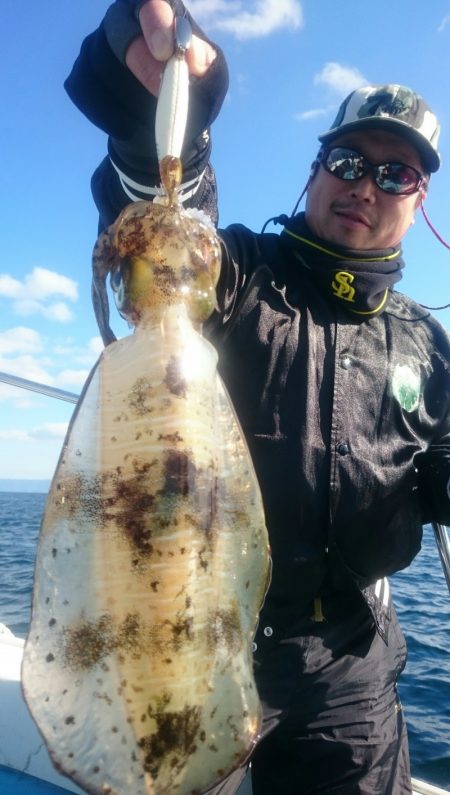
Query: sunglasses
{"type": "Point", "coordinates": [348, 164]}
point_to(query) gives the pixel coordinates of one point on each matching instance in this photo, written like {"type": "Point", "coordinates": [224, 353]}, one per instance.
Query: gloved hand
{"type": "Point", "coordinates": [434, 482]}
{"type": "Point", "coordinates": [111, 81]}
{"type": "Point", "coordinates": [140, 33]}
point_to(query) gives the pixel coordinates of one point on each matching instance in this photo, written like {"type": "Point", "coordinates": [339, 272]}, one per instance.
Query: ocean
{"type": "Point", "coordinates": [421, 598]}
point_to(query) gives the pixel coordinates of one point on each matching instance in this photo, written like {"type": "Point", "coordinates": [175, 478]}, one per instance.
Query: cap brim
{"type": "Point", "coordinates": [428, 155]}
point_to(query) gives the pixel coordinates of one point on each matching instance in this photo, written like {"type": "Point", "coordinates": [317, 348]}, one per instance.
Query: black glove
{"type": "Point", "coordinates": [121, 24]}
{"type": "Point", "coordinates": [434, 483]}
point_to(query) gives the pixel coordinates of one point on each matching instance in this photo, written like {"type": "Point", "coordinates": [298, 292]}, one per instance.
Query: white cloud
{"type": "Point", "coordinates": [19, 398]}
{"type": "Point", "coordinates": [16, 435]}
{"type": "Point", "coordinates": [58, 311]}
{"type": "Point", "coordinates": [77, 355]}
{"type": "Point", "coordinates": [27, 366]}
{"type": "Point", "coordinates": [315, 113]}
{"type": "Point", "coordinates": [205, 9]}
{"type": "Point", "coordinates": [444, 23]}
{"type": "Point", "coordinates": [35, 294]}
{"type": "Point", "coordinates": [72, 377]}
{"type": "Point", "coordinates": [51, 431]}
{"type": "Point", "coordinates": [96, 346]}
{"type": "Point", "coordinates": [22, 354]}
{"type": "Point", "coordinates": [340, 79]}
{"type": "Point", "coordinates": [39, 285]}
{"type": "Point", "coordinates": [8, 286]}
{"type": "Point", "coordinates": [42, 283]}
{"type": "Point", "coordinates": [20, 340]}
{"type": "Point", "coordinates": [26, 306]}
{"type": "Point", "coordinates": [263, 18]}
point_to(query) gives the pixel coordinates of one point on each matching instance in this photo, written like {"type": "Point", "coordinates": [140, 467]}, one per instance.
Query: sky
{"type": "Point", "coordinates": [291, 63]}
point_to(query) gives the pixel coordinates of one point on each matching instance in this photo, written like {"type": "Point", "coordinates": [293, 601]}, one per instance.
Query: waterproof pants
{"type": "Point", "coordinates": [333, 721]}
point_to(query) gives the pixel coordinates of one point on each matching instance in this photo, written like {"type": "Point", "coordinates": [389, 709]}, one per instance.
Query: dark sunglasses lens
{"type": "Point", "coordinates": [344, 163]}
{"type": "Point", "coordinates": [397, 178]}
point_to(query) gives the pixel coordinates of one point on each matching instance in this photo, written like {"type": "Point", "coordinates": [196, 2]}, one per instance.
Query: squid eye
{"type": "Point", "coordinates": [116, 280]}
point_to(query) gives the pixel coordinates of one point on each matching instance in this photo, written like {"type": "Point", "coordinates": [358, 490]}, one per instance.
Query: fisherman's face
{"type": "Point", "coordinates": [357, 214]}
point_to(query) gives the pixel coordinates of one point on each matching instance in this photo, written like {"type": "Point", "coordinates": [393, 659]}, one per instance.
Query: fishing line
{"type": "Point", "coordinates": [444, 243]}
{"type": "Point", "coordinates": [283, 218]}
{"type": "Point", "coordinates": [435, 232]}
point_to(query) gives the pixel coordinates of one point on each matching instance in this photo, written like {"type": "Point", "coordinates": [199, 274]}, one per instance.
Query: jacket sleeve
{"type": "Point", "coordinates": [108, 94]}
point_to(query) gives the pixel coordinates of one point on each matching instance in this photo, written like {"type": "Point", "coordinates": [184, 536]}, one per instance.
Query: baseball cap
{"type": "Point", "coordinates": [390, 107]}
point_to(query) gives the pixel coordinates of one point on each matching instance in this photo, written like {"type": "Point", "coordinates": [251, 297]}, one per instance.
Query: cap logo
{"type": "Point", "coordinates": [388, 103]}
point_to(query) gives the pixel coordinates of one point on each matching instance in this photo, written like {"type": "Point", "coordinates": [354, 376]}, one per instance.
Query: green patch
{"type": "Point", "coordinates": [406, 387]}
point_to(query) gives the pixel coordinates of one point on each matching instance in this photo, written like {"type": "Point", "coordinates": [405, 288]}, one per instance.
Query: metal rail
{"type": "Point", "coordinates": [42, 389]}
{"type": "Point", "coordinates": [443, 545]}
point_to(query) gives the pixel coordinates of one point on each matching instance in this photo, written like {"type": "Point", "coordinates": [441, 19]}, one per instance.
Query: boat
{"type": "Point", "coordinates": [25, 764]}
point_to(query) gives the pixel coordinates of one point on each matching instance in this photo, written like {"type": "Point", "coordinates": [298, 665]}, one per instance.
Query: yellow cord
{"type": "Point", "coordinates": [339, 256]}
{"type": "Point", "coordinates": [318, 616]}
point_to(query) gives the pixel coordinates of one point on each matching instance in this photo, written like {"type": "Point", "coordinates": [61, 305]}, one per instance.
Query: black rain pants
{"type": "Point", "coordinates": [333, 722]}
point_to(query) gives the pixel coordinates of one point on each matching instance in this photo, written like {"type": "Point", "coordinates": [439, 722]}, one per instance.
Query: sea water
{"type": "Point", "coordinates": [420, 595]}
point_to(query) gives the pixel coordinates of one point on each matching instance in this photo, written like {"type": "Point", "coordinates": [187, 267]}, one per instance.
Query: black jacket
{"type": "Point", "coordinates": [350, 466]}
{"type": "Point", "coordinates": [339, 415]}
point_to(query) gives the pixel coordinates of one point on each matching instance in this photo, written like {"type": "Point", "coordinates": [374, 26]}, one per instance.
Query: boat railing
{"type": "Point", "coordinates": [42, 389]}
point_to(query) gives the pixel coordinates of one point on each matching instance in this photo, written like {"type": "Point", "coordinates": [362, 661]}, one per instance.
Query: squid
{"type": "Point", "coordinates": [153, 559]}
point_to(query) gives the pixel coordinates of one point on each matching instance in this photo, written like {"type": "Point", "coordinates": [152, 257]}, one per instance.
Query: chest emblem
{"type": "Point", "coordinates": [406, 387]}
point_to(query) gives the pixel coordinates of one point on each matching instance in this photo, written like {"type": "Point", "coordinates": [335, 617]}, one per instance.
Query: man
{"type": "Point", "coordinates": [342, 387]}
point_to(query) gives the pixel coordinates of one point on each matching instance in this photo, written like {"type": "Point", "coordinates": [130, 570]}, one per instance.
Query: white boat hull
{"type": "Point", "coordinates": [21, 746]}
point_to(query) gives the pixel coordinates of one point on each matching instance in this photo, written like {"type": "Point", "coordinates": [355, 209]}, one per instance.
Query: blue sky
{"type": "Point", "coordinates": [290, 63]}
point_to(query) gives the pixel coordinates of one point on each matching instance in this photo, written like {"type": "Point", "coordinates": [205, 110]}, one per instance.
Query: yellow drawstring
{"type": "Point", "coordinates": [318, 616]}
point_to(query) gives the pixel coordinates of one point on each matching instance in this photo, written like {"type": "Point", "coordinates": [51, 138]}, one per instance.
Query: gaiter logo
{"type": "Point", "coordinates": [342, 286]}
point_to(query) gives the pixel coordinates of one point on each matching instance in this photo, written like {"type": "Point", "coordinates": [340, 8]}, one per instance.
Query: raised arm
{"type": "Point", "coordinates": [114, 82]}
